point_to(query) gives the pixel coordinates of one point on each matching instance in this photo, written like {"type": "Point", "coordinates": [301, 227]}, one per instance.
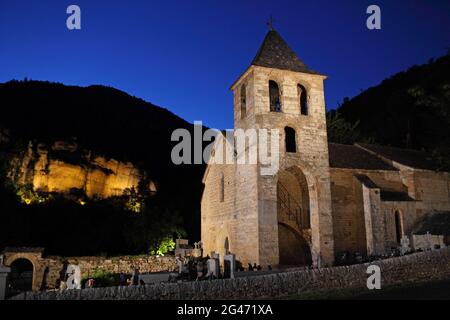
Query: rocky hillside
{"type": "Point", "coordinates": [94, 142]}
{"type": "Point", "coordinates": [65, 169]}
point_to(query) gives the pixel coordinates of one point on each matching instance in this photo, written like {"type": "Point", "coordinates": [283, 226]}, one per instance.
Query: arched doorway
{"type": "Point", "coordinates": [293, 212]}
{"type": "Point", "coordinates": [21, 276]}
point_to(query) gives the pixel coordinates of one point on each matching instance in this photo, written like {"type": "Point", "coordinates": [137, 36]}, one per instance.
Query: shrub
{"type": "Point", "coordinates": [166, 245]}
{"type": "Point", "coordinates": [102, 279]}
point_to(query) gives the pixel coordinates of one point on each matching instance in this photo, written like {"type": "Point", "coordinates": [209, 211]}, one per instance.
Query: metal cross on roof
{"type": "Point", "coordinates": [270, 23]}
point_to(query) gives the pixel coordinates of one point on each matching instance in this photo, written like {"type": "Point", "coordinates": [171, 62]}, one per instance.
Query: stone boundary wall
{"type": "Point", "coordinates": [47, 269]}
{"type": "Point", "coordinates": [124, 264]}
{"type": "Point", "coordinates": [417, 267]}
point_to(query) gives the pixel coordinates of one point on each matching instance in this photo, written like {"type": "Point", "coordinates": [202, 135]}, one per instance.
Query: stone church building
{"type": "Point", "coordinates": [326, 199]}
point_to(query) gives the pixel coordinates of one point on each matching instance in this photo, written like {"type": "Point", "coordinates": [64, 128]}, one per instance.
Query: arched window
{"type": "Point", "coordinates": [222, 188]}
{"type": "Point", "coordinates": [303, 99]}
{"type": "Point", "coordinates": [291, 145]}
{"type": "Point", "coordinates": [243, 102]}
{"type": "Point", "coordinates": [274, 93]}
{"type": "Point", "coordinates": [398, 226]}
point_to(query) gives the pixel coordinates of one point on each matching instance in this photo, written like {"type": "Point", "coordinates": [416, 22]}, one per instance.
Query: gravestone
{"type": "Point", "coordinates": [4, 271]}
{"type": "Point", "coordinates": [197, 252]}
{"type": "Point", "coordinates": [428, 241]}
{"type": "Point", "coordinates": [405, 245]}
{"type": "Point", "coordinates": [229, 265]}
{"type": "Point", "coordinates": [179, 264]}
{"type": "Point", "coordinates": [213, 265]}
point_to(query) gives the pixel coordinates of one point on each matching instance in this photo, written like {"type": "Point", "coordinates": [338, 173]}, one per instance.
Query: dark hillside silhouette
{"type": "Point", "coordinates": [410, 109]}
{"type": "Point", "coordinates": [110, 123]}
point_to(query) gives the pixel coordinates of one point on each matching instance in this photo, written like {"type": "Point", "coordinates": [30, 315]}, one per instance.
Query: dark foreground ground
{"type": "Point", "coordinates": [436, 290]}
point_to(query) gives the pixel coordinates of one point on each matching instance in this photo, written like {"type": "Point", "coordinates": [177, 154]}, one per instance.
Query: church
{"type": "Point", "coordinates": [326, 200]}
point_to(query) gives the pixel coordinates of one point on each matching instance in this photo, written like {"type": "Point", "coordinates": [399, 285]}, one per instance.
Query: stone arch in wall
{"type": "Point", "coordinates": [243, 101]}
{"type": "Point", "coordinates": [294, 218]}
{"type": "Point", "coordinates": [21, 277]}
{"type": "Point", "coordinates": [275, 96]}
{"type": "Point", "coordinates": [302, 99]}
{"type": "Point", "coordinates": [34, 256]}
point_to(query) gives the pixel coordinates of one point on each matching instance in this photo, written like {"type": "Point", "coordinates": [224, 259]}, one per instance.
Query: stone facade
{"type": "Point", "coordinates": [248, 216]}
{"type": "Point", "coordinates": [373, 209]}
{"type": "Point", "coordinates": [414, 268]}
{"type": "Point", "coordinates": [325, 199]}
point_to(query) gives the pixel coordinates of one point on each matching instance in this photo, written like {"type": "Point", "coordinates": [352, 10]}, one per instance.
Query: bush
{"type": "Point", "coordinates": [102, 279]}
{"type": "Point", "coordinates": [28, 196]}
{"type": "Point", "coordinates": [166, 245]}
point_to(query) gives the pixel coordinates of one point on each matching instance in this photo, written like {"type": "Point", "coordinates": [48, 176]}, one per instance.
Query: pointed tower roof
{"type": "Point", "coordinates": [276, 53]}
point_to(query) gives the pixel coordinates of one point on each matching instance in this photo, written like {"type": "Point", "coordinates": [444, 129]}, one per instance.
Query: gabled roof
{"type": "Point", "coordinates": [411, 158]}
{"type": "Point", "coordinates": [352, 157]}
{"type": "Point", "coordinates": [375, 157]}
{"type": "Point", "coordinates": [275, 53]}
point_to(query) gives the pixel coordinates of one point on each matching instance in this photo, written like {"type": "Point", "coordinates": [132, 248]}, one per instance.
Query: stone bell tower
{"type": "Point", "coordinates": [286, 217]}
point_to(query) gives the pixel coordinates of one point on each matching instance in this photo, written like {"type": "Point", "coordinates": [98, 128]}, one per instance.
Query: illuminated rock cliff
{"type": "Point", "coordinates": [65, 169]}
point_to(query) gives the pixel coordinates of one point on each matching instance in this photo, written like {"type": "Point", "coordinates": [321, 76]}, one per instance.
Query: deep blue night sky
{"type": "Point", "coordinates": [184, 55]}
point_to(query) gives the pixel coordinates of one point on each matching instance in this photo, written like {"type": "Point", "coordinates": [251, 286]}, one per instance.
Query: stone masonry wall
{"type": "Point", "coordinates": [348, 212]}
{"type": "Point", "coordinates": [431, 189]}
{"type": "Point", "coordinates": [124, 264]}
{"type": "Point", "coordinates": [47, 269]}
{"type": "Point", "coordinates": [217, 212]}
{"type": "Point", "coordinates": [311, 159]}
{"type": "Point", "coordinates": [418, 267]}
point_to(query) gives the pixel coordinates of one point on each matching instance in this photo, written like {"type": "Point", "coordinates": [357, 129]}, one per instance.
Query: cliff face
{"type": "Point", "coordinates": [64, 169]}
{"type": "Point", "coordinates": [110, 123]}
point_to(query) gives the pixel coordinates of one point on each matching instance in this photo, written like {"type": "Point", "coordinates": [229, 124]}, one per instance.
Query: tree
{"type": "Point", "coordinates": [341, 131]}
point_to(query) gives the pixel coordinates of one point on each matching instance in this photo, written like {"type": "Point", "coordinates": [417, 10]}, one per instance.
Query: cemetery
{"type": "Point", "coordinates": [192, 274]}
